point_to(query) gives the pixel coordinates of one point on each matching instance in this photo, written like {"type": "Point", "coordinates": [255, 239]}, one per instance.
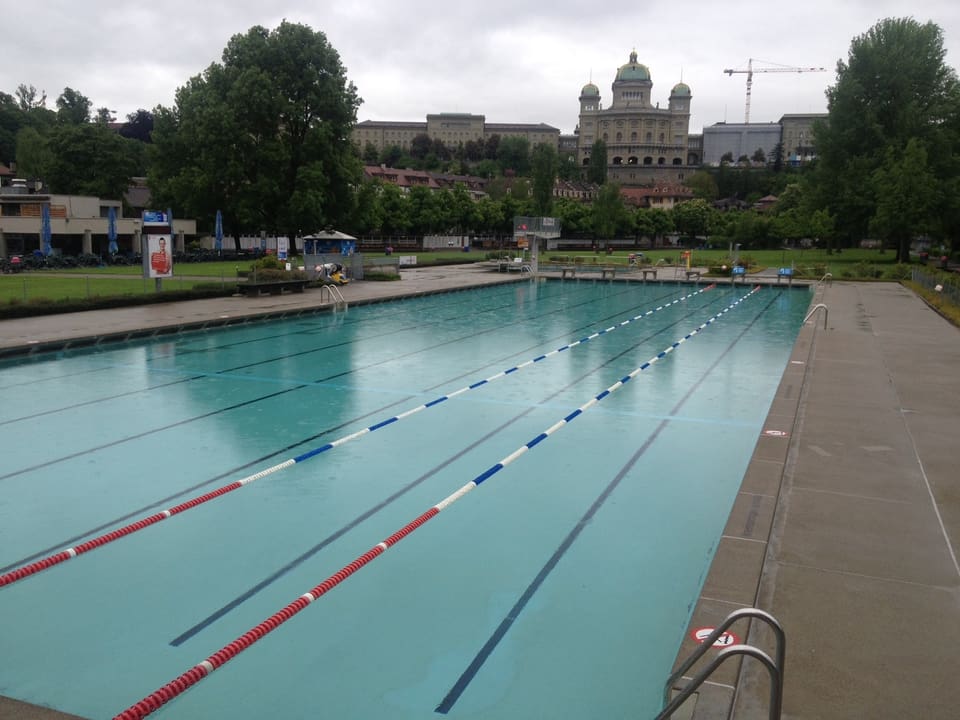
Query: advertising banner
{"type": "Point", "coordinates": [160, 256]}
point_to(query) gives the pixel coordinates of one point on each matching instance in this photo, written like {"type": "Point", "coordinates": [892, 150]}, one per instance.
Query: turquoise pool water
{"type": "Point", "coordinates": [560, 587]}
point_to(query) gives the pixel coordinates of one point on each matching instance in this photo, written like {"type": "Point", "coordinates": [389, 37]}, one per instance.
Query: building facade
{"type": "Point", "coordinates": [646, 144]}
{"type": "Point", "coordinates": [453, 129]}
{"type": "Point", "coordinates": [792, 133]}
{"type": "Point", "coordinates": [78, 224]}
{"type": "Point", "coordinates": [797, 137]}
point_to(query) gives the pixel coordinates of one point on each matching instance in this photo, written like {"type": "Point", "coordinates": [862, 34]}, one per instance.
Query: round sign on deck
{"type": "Point", "coordinates": [725, 639]}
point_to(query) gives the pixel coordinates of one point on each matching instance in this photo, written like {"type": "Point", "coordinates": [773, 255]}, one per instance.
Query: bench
{"type": "Point", "coordinates": [272, 287]}
{"type": "Point", "coordinates": [568, 270]}
{"type": "Point", "coordinates": [608, 270]}
{"type": "Point", "coordinates": [787, 273]}
{"type": "Point", "coordinates": [649, 271]}
{"type": "Point", "coordinates": [692, 274]}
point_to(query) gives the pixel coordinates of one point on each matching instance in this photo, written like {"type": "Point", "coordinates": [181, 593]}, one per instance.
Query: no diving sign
{"type": "Point", "coordinates": [725, 639]}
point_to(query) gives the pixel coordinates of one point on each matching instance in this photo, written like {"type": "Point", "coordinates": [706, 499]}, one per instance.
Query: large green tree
{"type": "Point", "coordinates": [692, 218]}
{"type": "Point", "coordinates": [906, 192]}
{"type": "Point", "coordinates": [893, 88]}
{"type": "Point", "coordinates": [544, 164]}
{"type": "Point", "coordinates": [513, 155]}
{"type": "Point", "coordinates": [89, 159]}
{"type": "Point", "coordinates": [609, 212]}
{"type": "Point", "coordinates": [34, 159]}
{"type": "Point", "coordinates": [11, 120]}
{"type": "Point", "coordinates": [73, 107]}
{"type": "Point", "coordinates": [263, 136]}
{"type": "Point", "coordinates": [597, 167]}
{"type": "Point", "coordinates": [139, 126]}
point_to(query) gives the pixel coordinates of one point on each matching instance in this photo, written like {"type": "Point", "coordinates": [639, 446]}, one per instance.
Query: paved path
{"type": "Point", "coordinates": [847, 525]}
{"type": "Point", "coordinates": [27, 335]}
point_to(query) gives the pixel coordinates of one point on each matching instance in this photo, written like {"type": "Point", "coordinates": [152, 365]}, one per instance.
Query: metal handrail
{"type": "Point", "coordinates": [828, 279]}
{"type": "Point", "coordinates": [818, 306]}
{"type": "Point", "coordinates": [776, 680]}
{"type": "Point", "coordinates": [781, 643]}
{"type": "Point", "coordinates": [335, 296]}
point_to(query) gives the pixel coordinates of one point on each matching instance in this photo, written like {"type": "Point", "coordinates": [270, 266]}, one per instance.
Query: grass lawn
{"type": "Point", "coordinates": [32, 286]}
{"type": "Point", "coordinates": [127, 280]}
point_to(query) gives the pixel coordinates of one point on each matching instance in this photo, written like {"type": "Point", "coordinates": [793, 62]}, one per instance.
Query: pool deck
{"type": "Point", "coordinates": [846, 525]}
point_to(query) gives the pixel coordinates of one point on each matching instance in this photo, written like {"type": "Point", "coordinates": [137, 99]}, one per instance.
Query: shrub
{"type": "Point", "coordinates": [866, 271]}
{"type": "Point", "coordinates": [267, 262]}
{"type": "Point", "coordinates": [17, 308]}
{"type": "Point", "coordinates": [901, 271]}
{"type": "Point", "coordinates": [273, 274]}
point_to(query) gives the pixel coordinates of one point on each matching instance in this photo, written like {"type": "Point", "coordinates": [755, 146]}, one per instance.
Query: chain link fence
{"type": "Point", "coordinates": [949, 287]}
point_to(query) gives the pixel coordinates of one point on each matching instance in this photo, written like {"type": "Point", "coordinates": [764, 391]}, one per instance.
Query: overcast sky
{"type": "Point", "coordinates": [511, 61]}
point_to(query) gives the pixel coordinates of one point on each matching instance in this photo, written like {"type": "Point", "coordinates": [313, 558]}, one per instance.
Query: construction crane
{"type": "Point", "coordinates": [751, 70]}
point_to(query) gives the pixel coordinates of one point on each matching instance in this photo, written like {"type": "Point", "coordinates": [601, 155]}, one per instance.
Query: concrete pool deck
{"type": "Point", "coordinates": [846, 525]}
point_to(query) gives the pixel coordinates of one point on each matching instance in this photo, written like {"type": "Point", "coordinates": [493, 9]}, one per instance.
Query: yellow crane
{"type": "Point", "coordinates": [751, 70]}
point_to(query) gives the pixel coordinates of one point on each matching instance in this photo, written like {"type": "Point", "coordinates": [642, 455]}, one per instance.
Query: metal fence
{"type": "Point", "coordinates": [948, 287]}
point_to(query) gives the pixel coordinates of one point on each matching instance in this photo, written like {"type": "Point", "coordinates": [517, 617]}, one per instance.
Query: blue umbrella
{"type": "Point", "coordinates": [218, 231]}
{"type": "Point", "coordinates": [112, 230]}
{"type": "Point", "coordinates": [46, 235]}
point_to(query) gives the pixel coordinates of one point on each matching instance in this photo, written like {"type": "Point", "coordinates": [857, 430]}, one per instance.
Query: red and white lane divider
{"type": "Point", "coordinates": [70, 553]}
{"type": "Point", "coordinates": [155, 700]}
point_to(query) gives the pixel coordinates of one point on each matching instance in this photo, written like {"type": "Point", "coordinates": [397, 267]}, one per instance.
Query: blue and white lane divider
{"type": "Point", "coordinates": [70, 553]}
{"type": "Point", "coordinates": [492, 378]}
{"type": "Point", "coordinates": [155, 700]}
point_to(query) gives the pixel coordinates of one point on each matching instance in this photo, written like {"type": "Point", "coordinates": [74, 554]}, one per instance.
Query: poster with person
{"type": "Point", "coordinates": [160, 254]}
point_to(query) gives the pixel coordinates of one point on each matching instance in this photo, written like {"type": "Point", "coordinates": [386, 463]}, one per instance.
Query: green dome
{"type": "Point", "coordinates": [633, 70]}
{"type": "Point", "coordinates": [590, 90]}
{"type": "Point", "coordinates": [681, 89]}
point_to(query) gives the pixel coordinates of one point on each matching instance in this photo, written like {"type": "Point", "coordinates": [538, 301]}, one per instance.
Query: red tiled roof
{"type": "Point", "coordinates": [641, 195]}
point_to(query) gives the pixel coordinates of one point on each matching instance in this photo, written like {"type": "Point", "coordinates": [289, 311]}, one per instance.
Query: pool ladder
{"type": "Point", "coordinates": [813, 311]}
{"type": "Point", "coordinates": [774, 667]}
{"type": "Point", "coordinates": [334, 295]}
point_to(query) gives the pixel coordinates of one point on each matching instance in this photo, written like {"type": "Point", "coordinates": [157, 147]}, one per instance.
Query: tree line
{"type": "Point", "coordinates": [264, 136]}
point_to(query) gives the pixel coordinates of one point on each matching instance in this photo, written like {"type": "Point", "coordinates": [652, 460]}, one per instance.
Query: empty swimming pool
{"type": "Point", "coordinates": [495, 503]}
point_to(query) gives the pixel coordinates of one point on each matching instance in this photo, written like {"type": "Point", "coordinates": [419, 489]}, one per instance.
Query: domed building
{"type": "Point", "coordinates": [646, 144]}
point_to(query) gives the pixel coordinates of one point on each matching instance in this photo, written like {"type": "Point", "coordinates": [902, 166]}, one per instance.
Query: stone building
{"type": "Point", "coordinates": [797, 137]}
{"type": "Point", "coordinates": [453, 129]}
{"type": "Point", "coordinates": [646, 144]}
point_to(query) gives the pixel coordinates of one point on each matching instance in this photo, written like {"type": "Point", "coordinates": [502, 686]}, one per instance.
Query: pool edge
{"type": "Point", "coordinates": [734, 578]}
